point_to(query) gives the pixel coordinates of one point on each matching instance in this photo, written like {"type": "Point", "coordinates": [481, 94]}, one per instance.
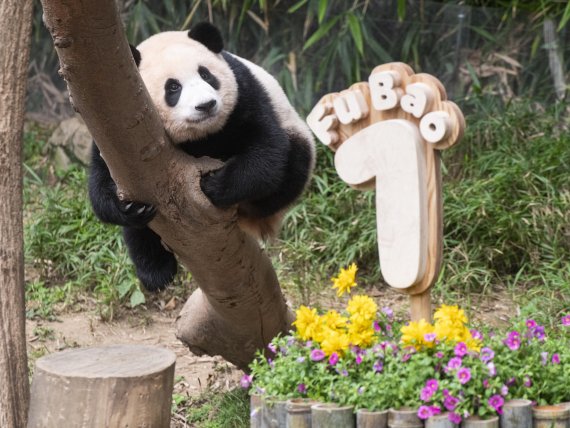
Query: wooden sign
{"type": "Point", "coordinates": [387, 134]}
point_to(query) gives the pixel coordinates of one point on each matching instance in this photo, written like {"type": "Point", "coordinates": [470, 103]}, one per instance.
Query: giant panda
{"type": "Point", "coordinates": [212, 103]}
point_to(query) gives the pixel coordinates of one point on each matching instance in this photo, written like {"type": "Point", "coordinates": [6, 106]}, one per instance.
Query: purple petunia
{"type": "Point", "coordinates": [272, 348]}
{"type": "Point", "coordinates": [429, 337]}
{"type": "Point", "coordinates": [455, 418]}
{"type": "Point", "coordinates": [426, 394]}
{"type": "Point", "coordinates": [450, 402]}
{"type": "Point", "coordinates": [246, 380]}
{"type": "Point", "coordinates": [302, 388]}
{"type": "Point", "coordinates": [538, 333]}
{"type": "Point", "coordinates": [301, 359]}
{"type": "Point", "coordinates": [476, 334]}
{"type": "Point", "coordinates": [460, 349]}
{"type": "Point", "coordinates": [439, 355]}
{"type": "Point", "coordinates": [530, 324]}
{"type": "Point", "coordinates": [435, 410]}
{"type": "Point", "coordinates": [513, 340]}
{"type": "Point", "coordinates": [486, 354]}
{"type": "Point", "coordinates": [358, 359]}
{"type": "Point", "coordinates": [566, 320]}
{"type": "Point", "coordinates": [432, 384]}
{"type": "Point", "coordinates": [555, 358]}
{"type": "Point", "coordinates": [496, 402]}
{"type": "Point", "coordinates": [464, 375]}
{"type": "Point", "coordinates": [333, 359]}
{"type": "Point", "coordinates": [504, 390]}
{"type": "Point", "coordinates": [377, 326]}
{"type": "Point", "coordinates": [317, 355]}
{"type": "Point", "coordinates": [492, 369]}
{"type": "Point", "coordinates": [378, 366]}
{"type": "Point", "coordinates": [425, 412]}
{"type": "Point", "coordinates": [454, 363]}
{"type": "Point", "coordinates": [527, 382]}
{"type": "Point", "coordinates": [388, 312]}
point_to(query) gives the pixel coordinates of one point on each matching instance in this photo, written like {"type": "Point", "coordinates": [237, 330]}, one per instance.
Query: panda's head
{"type": "Point", "coordinates": [190, 83]}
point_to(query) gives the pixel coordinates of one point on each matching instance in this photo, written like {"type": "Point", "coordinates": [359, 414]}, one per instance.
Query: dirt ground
{"type": "Point", "coordinates": [158, 328]}
{"type": "Point", "coordinates": [197, 374]}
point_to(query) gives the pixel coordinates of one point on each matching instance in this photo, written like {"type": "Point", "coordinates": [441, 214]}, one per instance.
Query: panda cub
{"type": "Point", "coordinates": [215, 104]}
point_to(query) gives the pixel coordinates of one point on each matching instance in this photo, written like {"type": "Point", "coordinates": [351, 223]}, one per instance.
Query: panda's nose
{"type": "Point", "coordinates": [207, 106]}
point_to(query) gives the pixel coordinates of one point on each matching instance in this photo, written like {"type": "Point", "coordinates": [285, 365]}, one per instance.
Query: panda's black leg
{"type": "Point", "coordinates": [155, 266]}
{"type": "Point", "coordinates": [106, 204]}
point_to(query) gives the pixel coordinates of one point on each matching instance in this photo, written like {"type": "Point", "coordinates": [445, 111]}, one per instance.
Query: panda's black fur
{"type": "Point", "coordinates": [266, 168]}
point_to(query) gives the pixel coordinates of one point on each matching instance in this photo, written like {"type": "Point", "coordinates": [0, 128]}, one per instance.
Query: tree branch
{"type": "Point", "coordinates": [240, 306]}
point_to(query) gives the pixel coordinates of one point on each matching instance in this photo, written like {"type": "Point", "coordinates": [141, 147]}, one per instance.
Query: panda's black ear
{"type": "Point", "coordinates": [136, 55]}
{"type": "Point", "coordinates": [208, 35]}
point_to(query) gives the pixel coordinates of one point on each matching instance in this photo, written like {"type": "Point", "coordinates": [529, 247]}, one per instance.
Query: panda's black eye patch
{"type": "Point", "coordinates": [208, 77]}
{"type": "Point", "coordinates": [172, 91]}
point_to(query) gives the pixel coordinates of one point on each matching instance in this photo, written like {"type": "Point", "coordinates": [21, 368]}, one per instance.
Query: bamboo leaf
{"type": "Point", "coordinates": [356, 31]}
{"type": "Point", "coordinates": [322, 10]}
{"type": "Point", "coordinates": [401, 9]}
{"type": "Point", "coordinates": [320, 33]}
{"type": "Point", "coordinates": [565, 18]}
{"type": "Point", "coordinates": [297, 6]}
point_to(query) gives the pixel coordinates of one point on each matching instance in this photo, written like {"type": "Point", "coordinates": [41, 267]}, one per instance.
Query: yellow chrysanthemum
{"type": "Point", "coordinates": [450, 314]}
{"type": "Point", "coordinates": [307, 322]}
{"type": "Point", "coordinates": [414, 334]}
{"type": "Point", "coordinates": [335, 341]}
{"type": "Point", "coordinates": [361, 308]}
{"type": "Point", "coordinates": [361, 334]}
{"type": "Point", "coordinates": [333, 320]}
{"type": "Point", "coordinates": [345, 280]}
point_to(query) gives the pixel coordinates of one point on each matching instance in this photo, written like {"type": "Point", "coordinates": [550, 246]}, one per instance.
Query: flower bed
{"type": "Point", "coordinates": [367, 359]}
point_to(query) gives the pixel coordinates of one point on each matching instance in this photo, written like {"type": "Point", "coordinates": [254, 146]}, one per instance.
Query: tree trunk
{"type": "Point", "coordinates": [240, 306]}
{"type": "Point", "coordinates": [15, 27]}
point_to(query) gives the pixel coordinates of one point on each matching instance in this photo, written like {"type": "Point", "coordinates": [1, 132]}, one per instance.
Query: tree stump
{"type": "Point", "coordinates": [110, 386]}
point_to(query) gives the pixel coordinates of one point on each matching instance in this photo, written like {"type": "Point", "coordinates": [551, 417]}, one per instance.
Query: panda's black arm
{"type": "Point", "coordinates": [106, 204]}
{"type": "Point", "coordinates": [256, 173]}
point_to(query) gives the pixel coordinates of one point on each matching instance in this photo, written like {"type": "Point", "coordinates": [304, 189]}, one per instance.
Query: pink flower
{"type": "Point", "coordinates": [358, 359]}
{"type": "Point", "coordinates": [424, 412]}
{"type": "Point", "coordinates": [429, 337]}
{"type": "Point", "coordinates": [555, 359]}
{"type": "Point", "coordinates": [454, 418]}
{"type": "Point", "coordinates": [272, 348]}
{"type": "Point", "coordinates": [486, 355]}
{"type": "Point", "coordinates": [317, 355]}
{"type": "Point", "coordinates": [504, 390]}
{"type": "Point", "coordinates": [377, 326]}
{"type": "Point", "coordinates": [476, 334]}
{"type": "Point", "coordinates": [450, 402]}
{"type": "Point", "coordinates": [566, 320]}
{"type": "Point", "coordinates": [527, 382]}
{"type": "Point", "coordinates": [302, 388]}
{"type": "Point", "coordinates": [378, 366]}
{"type": "Point", "coordinates": [333, 359]}
{"type": "Point", "coordinates": [439, 355]}
{"type": "Point", "coordinates": [513, 340]}
{"type": "Point", "coordinates": [388, 312]}
{"type": "Point", "coordinates": [454, 363]}
{"type": "Point", "coordinates": [435, 410]}
{"type": "Point", "coordinates": [464, 375]}
{"type": "Point", "coordinates": [460, 349]}
{"type": "Point", "coordinates": [246, 380]}
{"type": "Point", "coordinates": [492, 369]}
{"type": "Point", "coordinates": [496, 402]}
{"type": "Point", "coordinates": [426, 394]}
{"type": "Point", "coordinates": [432, 384]}
{"type": "Point", "coordinates": [530, 324]}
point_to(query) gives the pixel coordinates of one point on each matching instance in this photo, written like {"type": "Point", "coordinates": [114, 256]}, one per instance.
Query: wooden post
{"type": "Point", "coordinates": [111, 386]}
{"type": "Point", "coordinates": [387, 134]}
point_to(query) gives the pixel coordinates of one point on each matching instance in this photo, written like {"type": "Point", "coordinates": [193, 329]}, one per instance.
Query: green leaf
{"type": "Point", "coordinates": [123, 288]}
{"type": "Point", "coordinates": [484, 33]}
{"type": "Point", "coordinates": [356, 31]}
{"type": "Point", "coordinates": [565, 18]}
{"type": "Point", "coordinates": [137, 298]}
{"type": "Point", "coordinates": [401, 9]}
{"type": "Point", "coordinates": [320, 33]}
{"type": "Point", "coordinates": [297, 6]}
{"type": "Point", "coordinates": [322, 9]}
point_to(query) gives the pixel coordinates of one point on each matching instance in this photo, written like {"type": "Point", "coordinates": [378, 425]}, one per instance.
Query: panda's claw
{"type": "Point", "coordinates": [137, 214]}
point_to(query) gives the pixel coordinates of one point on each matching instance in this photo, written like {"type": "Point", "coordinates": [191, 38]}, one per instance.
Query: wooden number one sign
{"type": "Point", "coordinates": [387, 134]}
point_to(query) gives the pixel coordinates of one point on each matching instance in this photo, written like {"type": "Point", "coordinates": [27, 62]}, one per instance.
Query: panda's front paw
{"type": "Point", "coordinates": [214, 189]}
{"type": "Point", "coordinates": [136, 214]}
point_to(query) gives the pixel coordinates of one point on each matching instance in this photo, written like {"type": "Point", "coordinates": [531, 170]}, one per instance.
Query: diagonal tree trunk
{"type": "Point", "coordinates": [240, 306]}
{"type": "Point", "coordinates": [15, 33]}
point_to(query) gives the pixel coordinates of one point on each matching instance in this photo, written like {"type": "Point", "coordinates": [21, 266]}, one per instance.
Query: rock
{"type": "Point", "coordinates": [70, 142]}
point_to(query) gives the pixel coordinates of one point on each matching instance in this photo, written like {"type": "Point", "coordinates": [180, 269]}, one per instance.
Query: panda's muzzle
{"type": "Point", "coordinates": [206, 107]}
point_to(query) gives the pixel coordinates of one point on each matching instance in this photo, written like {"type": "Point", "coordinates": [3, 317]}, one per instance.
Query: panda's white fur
{"type": "Point", "coordinates": [175, 55]}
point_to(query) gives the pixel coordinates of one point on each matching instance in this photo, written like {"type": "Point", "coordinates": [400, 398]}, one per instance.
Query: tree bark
{"type": "Point", "coordinates": [240, 306]}
{"type": "Point", "coordinates": [15, 33]}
